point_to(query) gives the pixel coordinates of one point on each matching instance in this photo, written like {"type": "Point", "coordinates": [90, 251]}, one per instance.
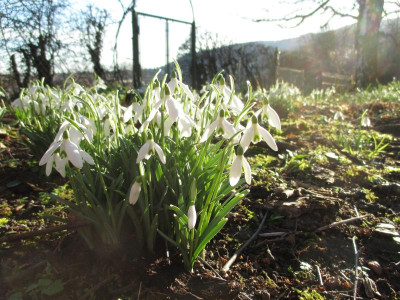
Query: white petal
{"type": "Point", "coordinates": [73, 154]}
{"type": "Point", "coordinates": [247, 170]}
{"type": "Point", "coordinates": [160, 153]}
{"type": "Point", "coordinates": [173, 84]}
{"type": "Point", "coordinates": [237, 103]}
{"type": "Point", "coordinates": [267, 137]}
{"type": "Point", "coordinates": [257, 113]}
{"type": "Point", "coordinates": [75, 136]}
{"type": "Point", "coordinates": [192, 216]}
{"type": "Point", "coordinates": [273, 118]}
{"type": "Point", "coordinates": [60, 164]}
{"type": "Point", "coordinates": [143, 151]}
{"type": "Point", "coordinates": [185, 127]}
{"type": "Point", "coordinates": [128, 114]}
{"type": "Point", "coordinates": [61, 131]}
{"type": "Point", "coordinates": [49, 152]}
{"type": "Point", "coordinates": [236, 170]}
{"type": "Point", "coordinates": [247, 137]}
{"type": "Point", "coordinates": [172, 108]}
{"type": "Point", "coordinates": [365, 122]}
{"type": "Point", "coordinates": [135, 192]}
{"type": "Point", "coordinates": [209, 130]}
{"type": "Point", "coordinates": [187, 90]}
{"type": "Point", "coordinates": [86, 157]}
{"type": "Point", "coordinates": [167, 125]}
{"type": "Point", "coordinates": [229, 130]}
{"type": "Point", "coordinates": [49, 165]}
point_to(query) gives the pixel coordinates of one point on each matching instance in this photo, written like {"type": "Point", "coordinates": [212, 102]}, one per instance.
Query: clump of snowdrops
{"type": "Point", "coordinates": [169, 165]}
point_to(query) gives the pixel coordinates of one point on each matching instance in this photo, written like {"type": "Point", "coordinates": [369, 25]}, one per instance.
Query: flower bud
{"type": "Point", "coordinates": [239, 151]}
{"type": "Point", "coordinates": [192, 217]}
{"type": "Point", "coordinates": [167, 91]}
{"type": "Point", "coordinates": [135, 191]}
{"type": "Point", "coordinates": [221, 80]}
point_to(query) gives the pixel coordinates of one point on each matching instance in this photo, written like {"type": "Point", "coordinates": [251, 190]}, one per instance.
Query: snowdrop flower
{"type": "Point", "coordinates": [147, 149]}
{"type": "Point", "coordinates": [75, 88]}
{"type": "Point", "coordinates": [175, 83]}
{"type": "Point", "coordinates": [255, 133]}
{"type": "Point", "coordinates": [108, 125]}
{"type": "Point", "coordinates": [73, 154]}
{"type": "Point", "coordinates": [74, 135]}
{"type": "Point", "coordinates": [23, 103]}
{"type": "Point", "coordinates": [99, 83]}
{"type": "Point", "coordinates": [234, 102]}
{"type": "Point", "coordinates": [70, 104]}
{"type": "Point", "coordinates": [239, 163]}
{"type": "Point", "coordinates": [365, 121]}
{"type": "Point", "coordinates": [221, 125]}
{"type": "Point", "coordinates": [268, 112]}
{"type": "Point", "coordinates": [135, 191]}
{"type": "Point", "coordinates": [192, 216]}
{"type": "Point", "coordinates": [338, 116]}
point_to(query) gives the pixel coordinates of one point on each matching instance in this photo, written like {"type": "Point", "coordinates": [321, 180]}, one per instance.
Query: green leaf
{"type": "Point", "coordinates": [15, 296]}
{"type": "Point", "coordinates": [54, 288]}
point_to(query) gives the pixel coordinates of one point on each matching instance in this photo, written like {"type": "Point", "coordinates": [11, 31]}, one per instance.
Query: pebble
{"type": "Point", "coordinates": [375, 266]}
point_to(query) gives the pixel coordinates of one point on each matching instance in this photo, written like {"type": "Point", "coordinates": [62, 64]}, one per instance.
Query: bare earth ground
{"type": "Point", "coordinates": [296, 261]}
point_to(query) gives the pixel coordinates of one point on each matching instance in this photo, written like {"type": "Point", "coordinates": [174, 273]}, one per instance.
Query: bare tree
{"type": "Point", "coordinates": [368, 15]}
{"type": "Point", "coordinates": [30, 29]}
{"type": "Point", "coordinates": [92, 28]}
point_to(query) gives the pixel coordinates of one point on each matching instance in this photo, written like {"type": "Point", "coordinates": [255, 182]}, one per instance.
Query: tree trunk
{"type": "Point", "coordinates": [367, 40]}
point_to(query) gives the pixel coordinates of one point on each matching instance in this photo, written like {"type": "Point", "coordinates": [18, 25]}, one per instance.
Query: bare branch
{"type": "Point", "coordinates": [300, 17]}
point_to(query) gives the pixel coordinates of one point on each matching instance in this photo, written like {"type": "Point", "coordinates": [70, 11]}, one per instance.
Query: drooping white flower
{"type": "Point", "coordinates": [73, 154]}
{"type": "Point", "coordinates": [255, 133]}
{"type": "Point", "coordinates": [365, 121]}
{"type": "Point", "coordinates": [175, 83]}
{"type": "Point", "coordinates": [135, 192]}
{"type": "Point", "coordinates": [268, 112]}
{"type": "Point", "coordinates": [239, 163]}
{"type": "Point", "coordinates": [338, 116]}
{"type": "Point", "coordinates": [192, 216]}
{"type": "Point", "coordinates": [21, 103]}
{"type": "Point", "coordinates": [149, 148]}
{"type": "Point", "coordinates": [230, 101]}
{"type": "Point", "coordinates": [109, 125]}
{"type": "Point", "coordinates": [221, 125]}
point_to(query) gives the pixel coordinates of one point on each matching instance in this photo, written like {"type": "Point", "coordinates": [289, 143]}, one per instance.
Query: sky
{"type": "Point", "coordinates": [231, 20]}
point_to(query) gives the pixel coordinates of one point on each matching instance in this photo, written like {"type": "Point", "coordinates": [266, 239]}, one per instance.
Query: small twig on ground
{"type": "Point", "coordinates": [272, 234]}
{"type": "Point", "coordinates": [319, 276]}
{"type": "Point", "coordinates": [344, 276]}
{"type": "Point", "coordinates": [31, 234]}
{"type": "Point", "coordinates": [356, 270]}
{"type": "Point", "coordinates": [140, 287]}
{"type": "Point", "coordinates": [97, 287]}
{"type": "Point", "coordinates": [356, 210]}
{"type": "Point", "coordinates": [238, 252]}
{"type": "Point", "coordinates": [212, 269]}
{"type": "Point", "coordinates": [281, 235]}
{"type": "Point", "coordinates": [334, 224]}
{"type": "Point", "coordinates": [245, 295]}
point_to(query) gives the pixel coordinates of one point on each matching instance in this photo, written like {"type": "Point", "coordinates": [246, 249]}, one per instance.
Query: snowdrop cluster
{"type": "Point", "coordinates": [162, 150]}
